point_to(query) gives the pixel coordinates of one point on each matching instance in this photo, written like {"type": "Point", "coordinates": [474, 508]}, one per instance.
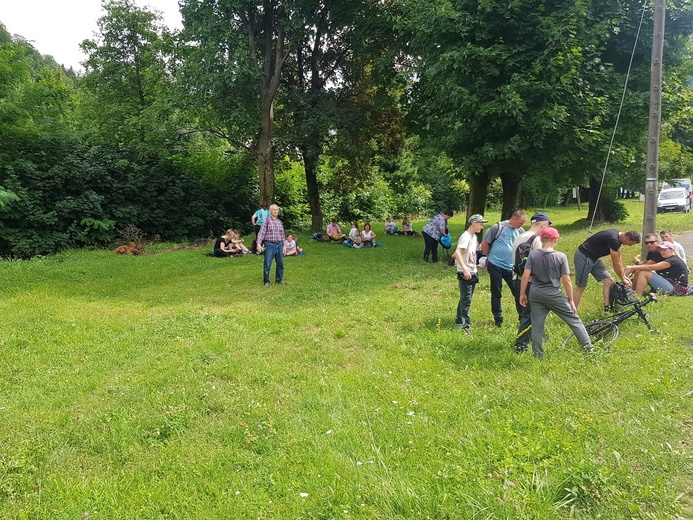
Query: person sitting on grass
{"type": "Point", "coordinates": [547, 269]}
{"type": "Point", "coordinates": [224, 246]}
{"type": "Point", "coordinates": [237, 242]}
{"type": "Point", "coordinates": [368, 235]}
{"type": "Point", "coordinates": [290, 248]}
{"type": "Point", "coordinates": [355, 236]}
{"type": "Point", "coordinates": [407, 229]}
{"type": "Point", "coordinates": [334, 232]}
{"type": "Point", "coordinates": [670, 276]}
{"type": "Point", "coordinates": [390, 227]}
{"type": "Point", "coordinates": [666, 236]}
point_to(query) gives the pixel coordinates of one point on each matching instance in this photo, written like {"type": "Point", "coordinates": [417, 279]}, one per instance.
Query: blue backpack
{"type": "Point", "coordinates": [445, 241]}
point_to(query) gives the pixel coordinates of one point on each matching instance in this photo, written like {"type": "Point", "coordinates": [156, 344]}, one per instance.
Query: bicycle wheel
{"type": "Point", "coordinates": [602, 333]}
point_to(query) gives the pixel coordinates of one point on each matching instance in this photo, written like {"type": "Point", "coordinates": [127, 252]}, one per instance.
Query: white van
{"type": "Point", "coordinates": [679, 183]}
{"type": "Point", "coordinates": [674, 199]}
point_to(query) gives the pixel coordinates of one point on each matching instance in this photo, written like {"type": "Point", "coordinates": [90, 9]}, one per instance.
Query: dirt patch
{"type": "Point", "coordinates": [686, 240]}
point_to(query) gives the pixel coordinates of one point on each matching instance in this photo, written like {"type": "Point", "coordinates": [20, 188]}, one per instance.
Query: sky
{"type": "Point", "coordinates": [57, 27]}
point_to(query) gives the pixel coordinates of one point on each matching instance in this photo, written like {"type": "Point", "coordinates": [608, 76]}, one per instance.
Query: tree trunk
{"type": "Point", "coordinates": [511, 193]}
{"type": "Point", "coordinates": [594, 193]}
{"type": "Point", "coordinates": [478, 189]}
{"type": "Point", "coordinates": [310, 163]}
{"type": "Point", "coordinates": [264, 152]}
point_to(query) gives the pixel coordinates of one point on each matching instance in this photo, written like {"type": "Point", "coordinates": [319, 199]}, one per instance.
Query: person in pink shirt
{"type": "Point", "coordinates": [334, 232]}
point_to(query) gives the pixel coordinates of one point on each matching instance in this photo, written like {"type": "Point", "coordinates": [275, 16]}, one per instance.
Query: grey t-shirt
{"type": "Point", "coordinates": [547, 267]}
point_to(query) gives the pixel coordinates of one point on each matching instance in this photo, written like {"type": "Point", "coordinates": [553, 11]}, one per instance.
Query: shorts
{"type": "Point", "coordinates": [661, 284]}
{"type": "Point", "coordinates": [585, 266]}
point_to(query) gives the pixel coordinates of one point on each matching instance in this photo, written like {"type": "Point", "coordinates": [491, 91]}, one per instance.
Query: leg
{"type": "Point", "coordinates": [279, 271]}
{"type": "Point", "coordinates": [496, 278]}
{"type": "Point", "coordinates": [525, 323]}
{"type": "Point", "coordinates": [561, 308]}
{"type": "Point", "coordinates": [268, 263]}
{"type": "Point", "coordinates": [583, 267]}
{"type": "Point", "coordinates": [606, 289]}
{"type": "Point", "coordinates": [577, 294]}
{"type": "Point", "coordinates": [642, 278]}
{"type": "Point", "coordinates": [538, 316]}
{"type": "Point", "coordinates": [466, 293]}
{"type": "Point", "coordinates": [429, 242]}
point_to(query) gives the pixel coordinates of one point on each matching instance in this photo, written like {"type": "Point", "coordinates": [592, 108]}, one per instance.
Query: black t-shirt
{"type": "Point", "coordinates": [677, 273]}
{"type": "Point", "coordinates": [654, 256]}
{"type": "Point", "coordinates": [600, 244]}
{"type": "Point", "coordinates": [217, 244]}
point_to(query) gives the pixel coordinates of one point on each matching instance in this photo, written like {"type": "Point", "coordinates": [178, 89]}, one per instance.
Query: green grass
{"type": "Point", "coordinates": [175, 385]}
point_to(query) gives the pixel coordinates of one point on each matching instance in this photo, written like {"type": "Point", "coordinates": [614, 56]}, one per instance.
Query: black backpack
{"type": "Point", "coordinates": [620, 294]}
{"type": "Point", "coordinates": [521, 254]}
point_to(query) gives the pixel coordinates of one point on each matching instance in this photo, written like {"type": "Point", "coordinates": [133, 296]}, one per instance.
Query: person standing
{"type": "Point", "coordinates": [532, 238]}
{"type": "Point", "coordinates": [465, 260]}
{"type": "Point", "coordinates": [436, 228]}
{"type": "Point", "coordinates": [588, 261]}
{"type": "Point", "coordinates": [271, 236]}
{"type": "Point", "coordinates": [497, 245]}
{"type": "Point", "coordinates": [259, 217]}
{"type": "Point", "coordinates": [548, 268]}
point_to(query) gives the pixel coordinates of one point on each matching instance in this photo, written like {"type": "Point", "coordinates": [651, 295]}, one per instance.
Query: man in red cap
{"type": "Point", "coordinates": [547, 269]}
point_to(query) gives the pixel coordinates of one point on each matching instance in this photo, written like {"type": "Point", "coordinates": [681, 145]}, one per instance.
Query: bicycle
{"type": "Point", "coordinates": [603, 332]}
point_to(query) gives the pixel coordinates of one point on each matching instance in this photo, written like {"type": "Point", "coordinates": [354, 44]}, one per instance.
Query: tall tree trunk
{"type": "Point", "coordinates": [511, 193]}
{"type": "Point", "coordinates": [478, 190]}
{"type": "Point", "coordinates": [264, 152]}
{"type": "Point", "coordinates": [310, 163]}
{"type": "Point", "coordinates": [594, 193]}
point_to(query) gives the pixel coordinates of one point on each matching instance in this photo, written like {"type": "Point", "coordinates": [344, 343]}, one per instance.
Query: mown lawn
{"type": "Point", "coordinates": [175, 385]}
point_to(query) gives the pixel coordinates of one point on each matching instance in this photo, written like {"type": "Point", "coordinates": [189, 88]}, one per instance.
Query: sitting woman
{"type": "Point", "coordinates": [237, 242]}
{"type": "Point", "coordinates": [368, 236]}
{"type": "Point", "coordinates": [670, 276]}
{"type": "Point", "coordinates": [290, 248]}
{"type": "Point", "coordinates": [390, 227]}
{"type": "Point", "coordinates": [224, 245]}
{"type": "Point", "coordinates": [407, 229]}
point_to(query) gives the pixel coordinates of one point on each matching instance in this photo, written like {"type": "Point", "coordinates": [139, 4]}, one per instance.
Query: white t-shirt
{"type": "Point", "coordinates": [354, 232]}
{"type": "Point", "coordinates": [367, 235]}
{"type": "Point", "coordinates": [536, 244]}
{"type": "Point", "coordinates": [468, 243]}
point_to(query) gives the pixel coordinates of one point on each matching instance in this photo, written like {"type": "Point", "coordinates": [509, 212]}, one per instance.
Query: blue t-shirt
{"type": "Point", "coordinates": [260, 216]}
{"type": "Point", "coordinates": [501, 254]}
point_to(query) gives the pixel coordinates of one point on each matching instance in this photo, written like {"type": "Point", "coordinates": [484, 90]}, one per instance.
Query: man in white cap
{"type": "Point", "coordinates": [522, 245]}
{"type": "Point", "coordinates": [465, 260]}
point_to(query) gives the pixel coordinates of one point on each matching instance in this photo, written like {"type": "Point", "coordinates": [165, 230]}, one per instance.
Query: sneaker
{"type": "Point", "coordinates": [521, 348]}
{"type": "Point", "coordinates": [281, 283]}
{"type": "Point", "coordinates": [266, 284]}
{"type": "Point", "coordinates": [589, 348]}
{"type": "Point", "coordinates": [608, 309]}
{"type": "Point", "coordinates": [498, 324]}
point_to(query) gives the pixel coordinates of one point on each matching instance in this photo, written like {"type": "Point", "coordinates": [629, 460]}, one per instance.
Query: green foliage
{"type": "Point", "coordinates": [613, 210]}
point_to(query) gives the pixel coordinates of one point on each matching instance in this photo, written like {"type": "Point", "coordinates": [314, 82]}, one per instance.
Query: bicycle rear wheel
{"type": "Point", "coordinates": [602, 333]}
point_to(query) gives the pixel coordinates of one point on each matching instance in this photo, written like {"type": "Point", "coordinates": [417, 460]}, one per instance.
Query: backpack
{"type": "Point", "coordinates": [620, 294]}
{"type": "Point", "coordinates": [445, 241]}
{"type": "Point", "coordinates": [501, 225]}
{"type": "Point", "coordinates": [521, 254]}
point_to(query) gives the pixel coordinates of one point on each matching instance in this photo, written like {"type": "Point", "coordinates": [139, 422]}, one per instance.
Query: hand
{"type": "Point", "coordinates": [523, 300]}
{"type": "Point", "coordinates": [627, 282]}
{"type": "Point", "coordinates": [572, 306]}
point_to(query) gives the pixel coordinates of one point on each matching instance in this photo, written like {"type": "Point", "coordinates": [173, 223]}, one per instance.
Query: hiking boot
{"type": "Point", "coordinates": [521, 348]}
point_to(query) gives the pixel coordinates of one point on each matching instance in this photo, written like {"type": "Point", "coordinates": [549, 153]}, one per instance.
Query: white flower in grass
{"type": "Point", "coordinates": [395, 402]}
{"type": "Point", "coordinates": [328, 432]}
{"type": "Point", "coordinates": [359, 463]}
{"type": "Point", "coordinates": [411, 413]}
{"type": "Point", "coordinates": [303, 495]}
{"type": "Point", "coordinates": [238, 492]}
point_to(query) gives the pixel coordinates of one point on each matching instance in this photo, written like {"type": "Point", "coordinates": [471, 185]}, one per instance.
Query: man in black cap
{"type": "Point", "coordinates": [523, 244]}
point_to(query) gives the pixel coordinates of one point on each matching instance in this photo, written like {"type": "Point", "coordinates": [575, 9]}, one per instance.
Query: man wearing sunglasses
{"type": "Point", "coordinates": [653, 255]}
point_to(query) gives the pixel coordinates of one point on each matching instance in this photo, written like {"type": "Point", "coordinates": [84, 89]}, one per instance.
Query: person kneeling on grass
{"type": "Point", "coordinates": [670, 276]}
{"type": "Point", "coordinates": [547, 268]}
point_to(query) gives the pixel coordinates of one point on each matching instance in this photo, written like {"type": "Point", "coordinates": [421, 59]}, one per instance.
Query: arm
{"type": "Point", "coordinates": [618, 267]}
{"type": "Point", "coordinates": [649, 267]}
{"type": "Point", "coordinates": [485, 247]}
{"type": "Point", "coordinates": [253, 219]}
{"type": "Point", "coordinates": [523, 286]}
{"type": "Point", "coordinates": [568, 286]}
{"type": "Point", "coordinates": [459, 256]}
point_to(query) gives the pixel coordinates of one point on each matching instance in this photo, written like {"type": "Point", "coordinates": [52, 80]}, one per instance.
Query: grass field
{"type": "Point", "coordinates": [174, 385]}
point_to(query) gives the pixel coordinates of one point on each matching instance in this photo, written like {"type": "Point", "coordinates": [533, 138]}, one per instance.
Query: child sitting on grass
{"type": "Point", "coordinates": [290, 248]}
{"type": "Point", "coordinates": [237, 241]}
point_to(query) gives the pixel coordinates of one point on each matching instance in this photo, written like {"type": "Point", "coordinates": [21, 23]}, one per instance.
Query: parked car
{"type": "Point", "coordinates": [674, 199]}
{"type": "Point", "coordinates": [679, 183]}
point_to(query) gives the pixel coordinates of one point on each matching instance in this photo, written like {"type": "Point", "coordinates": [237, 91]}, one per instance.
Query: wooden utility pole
{"type": "Point", "coordinates": [652, 174]}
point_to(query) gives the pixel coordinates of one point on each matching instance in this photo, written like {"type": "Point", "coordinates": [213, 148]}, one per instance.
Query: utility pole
{"type": "Point", "coordinates": [652, 174]}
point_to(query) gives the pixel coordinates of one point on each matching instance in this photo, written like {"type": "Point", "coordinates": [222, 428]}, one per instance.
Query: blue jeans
{"type": "Point", "coordinates": [497, 275]}
{"type": "Point", "coordinates": [466, 293]}
{"type": "Point", "coordinates": [274, 250]}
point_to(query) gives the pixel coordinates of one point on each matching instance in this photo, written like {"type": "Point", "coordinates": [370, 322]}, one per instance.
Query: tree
{"type": "Point", "coordinates": [232, 45]}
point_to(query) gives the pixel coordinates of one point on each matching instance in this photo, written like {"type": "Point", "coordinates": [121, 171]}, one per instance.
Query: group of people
{"type": "Point", "coordinates": [392, 229]}
{"type": "Point", "coordinates": [534, 271]}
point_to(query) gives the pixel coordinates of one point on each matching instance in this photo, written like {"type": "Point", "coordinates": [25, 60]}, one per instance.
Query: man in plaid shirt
{"type": "Point", "coordinates": [271, 236]}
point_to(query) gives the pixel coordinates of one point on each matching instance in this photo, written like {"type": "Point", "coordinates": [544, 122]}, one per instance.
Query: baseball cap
{"type": "Point", "coordinates": [540, 216]}
{"type": "Point", "coordinates": [476, 218]}
{"type": "Point", "coordinates": [550, 232]}
{"type": "Point", "coordinates": [665, 245]}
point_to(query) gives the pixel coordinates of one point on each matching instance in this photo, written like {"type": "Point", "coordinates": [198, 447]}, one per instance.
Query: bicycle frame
{"type": "Point", "coordinates": [637, 309]}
